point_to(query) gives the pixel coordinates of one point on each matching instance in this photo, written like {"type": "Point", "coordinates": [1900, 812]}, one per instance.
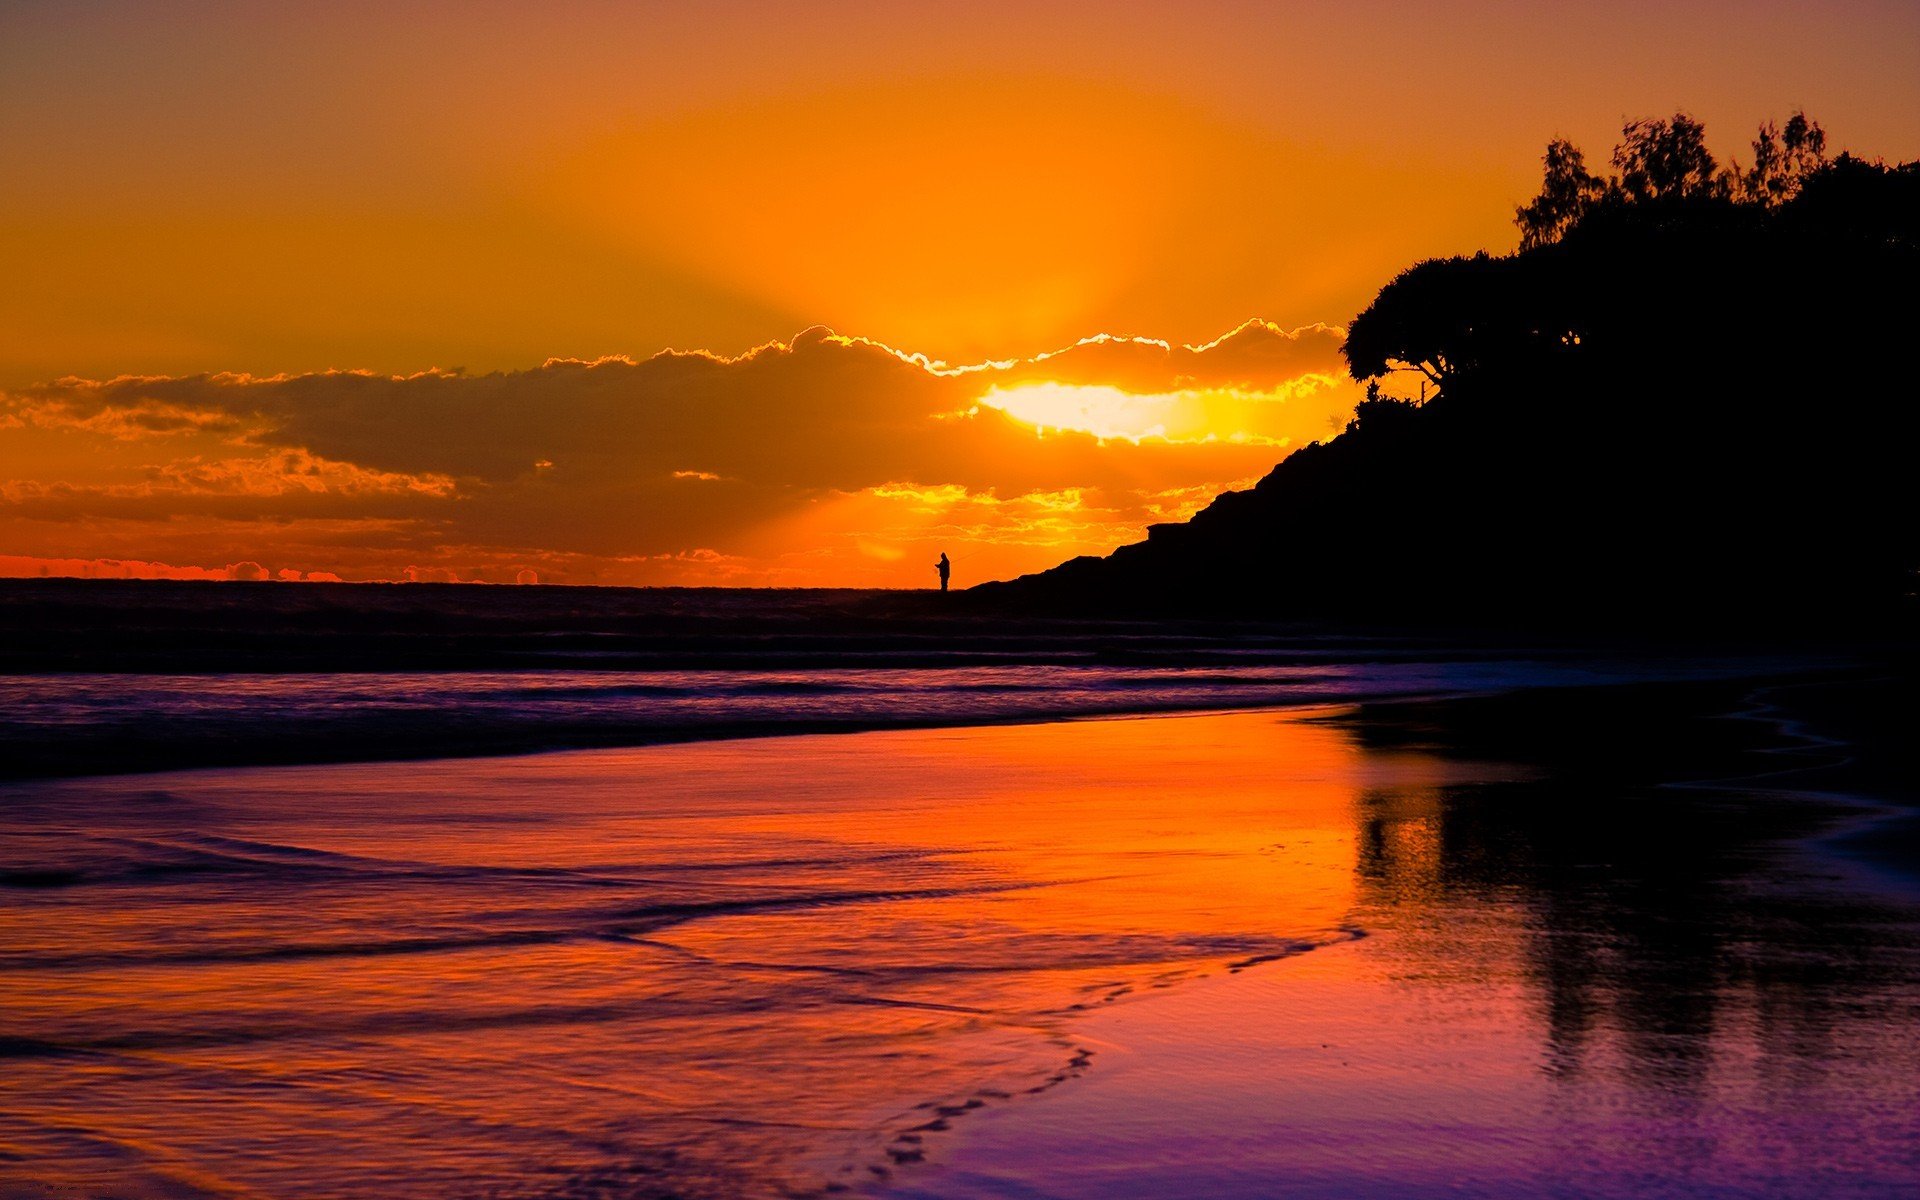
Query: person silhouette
{"type": "Point", "coordinates": [945, 568]}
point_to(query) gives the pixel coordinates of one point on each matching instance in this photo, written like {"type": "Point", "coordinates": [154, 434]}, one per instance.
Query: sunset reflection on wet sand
{"type": "Point", "coordinates": [1080, 958]}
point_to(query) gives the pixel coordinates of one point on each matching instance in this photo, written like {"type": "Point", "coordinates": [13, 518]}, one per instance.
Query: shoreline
{"type": "Point", "coordinates": [1881, 833]}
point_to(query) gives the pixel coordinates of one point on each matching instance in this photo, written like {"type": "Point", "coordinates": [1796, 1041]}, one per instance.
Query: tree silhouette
{"type": "Point", "coordinates": [1666, 160]}
{"type": "Point", "coordinates": [1449, 318]}
{"type": "Point", "coordinates": [1439, 318]}
{"type": "Point", "coordinates": [1783, 160]}
{"type": "Point", "coordinates": [1666, 163]}
{"type": "Point", "coordinates": [1567, 192]}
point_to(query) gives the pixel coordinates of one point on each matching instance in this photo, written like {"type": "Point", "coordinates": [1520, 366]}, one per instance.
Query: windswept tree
{"type": "Point", "coordinates": [1444, 318]}
{"type": "Point", "coordinates": [1567, 192]}
{"type": "Point", "coordinates": [1416, 323]}
{"type": "Point", "coordinates": [1783, 161]}
{"type": "Point", "coordinates": [1662, 161]}
{"type": "Point", "coordinates": [1666, 160]}
{"type": "Point", "coordinates": [1448, 318]}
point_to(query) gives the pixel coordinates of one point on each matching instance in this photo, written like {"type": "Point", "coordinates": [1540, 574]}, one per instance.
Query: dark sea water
{"type": "Point", "coordinates": [129, 676]}
{"type": "Point", "coordinates": [91, 721]}
{"type": "Point", "coordinates": [1394, 918]}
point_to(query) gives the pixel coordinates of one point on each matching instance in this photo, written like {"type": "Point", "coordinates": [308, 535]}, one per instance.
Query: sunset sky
{"type": "Point", "coordinates": [387, 290]}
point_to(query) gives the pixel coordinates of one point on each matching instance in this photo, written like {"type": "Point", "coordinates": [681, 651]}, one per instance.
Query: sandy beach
{"type": "Point", "coordinates": [1320, 949]}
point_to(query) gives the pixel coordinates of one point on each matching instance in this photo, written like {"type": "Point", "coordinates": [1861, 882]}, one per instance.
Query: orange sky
{"type": "Point", "coordinates": [277, 190]}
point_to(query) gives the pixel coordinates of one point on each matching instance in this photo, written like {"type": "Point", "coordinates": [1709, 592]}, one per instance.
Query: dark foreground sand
{"type": "Point", "coordinates": [1613, 941]}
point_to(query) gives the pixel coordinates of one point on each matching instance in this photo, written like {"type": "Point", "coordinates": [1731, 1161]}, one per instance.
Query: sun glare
{"type": "Point", "coordinates": [1098, 409]}
{"type": "Point", "coordinates": [1215, 414]}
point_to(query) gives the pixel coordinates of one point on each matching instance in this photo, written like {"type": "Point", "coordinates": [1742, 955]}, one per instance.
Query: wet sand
{"type": "Point", "coordinates": [1372, 1069]}
{"type": "Point", "coordinates": [1654, 973]}
{"type": "Point", "coordinates": [1331, 952]}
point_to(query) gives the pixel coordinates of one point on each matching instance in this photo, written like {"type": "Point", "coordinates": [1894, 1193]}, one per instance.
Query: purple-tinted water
{"type": "Point", "coordinates": [1241, 954]}
{"type": "Point", "coordinates": [63, 723]}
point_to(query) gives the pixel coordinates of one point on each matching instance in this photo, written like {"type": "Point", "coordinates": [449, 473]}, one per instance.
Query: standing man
{"type": "Point", "coordinates": [945, 568]}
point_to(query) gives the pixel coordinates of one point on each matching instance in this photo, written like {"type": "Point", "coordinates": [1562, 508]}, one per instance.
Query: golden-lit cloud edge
{"type": "Point", "coordinates": [825, 459]}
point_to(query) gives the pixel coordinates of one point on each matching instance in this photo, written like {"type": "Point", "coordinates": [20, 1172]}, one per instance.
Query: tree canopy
{"type": "Point", "coordinates": [1667, 196]}
{"type": "Point", "coordinates": [1666, 160]}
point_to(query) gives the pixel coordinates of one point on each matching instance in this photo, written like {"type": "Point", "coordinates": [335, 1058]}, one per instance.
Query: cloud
{"type": "Point", "coordinates": [75, 404]}
{"type": "Point", "coordinates": [433, 575]}
{"type": "Point", "coordinates": [1256, 356]}
{"type": "Point", "coordinates": [20, 566]}
{"type": "Point", "coordinates": [295, 470]}
{"type": "Point", "coordinates": [790, 462]}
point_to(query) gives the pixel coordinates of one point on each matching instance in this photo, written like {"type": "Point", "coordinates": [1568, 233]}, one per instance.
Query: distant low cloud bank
{"type": "Point", "coordinates": [823, 459]}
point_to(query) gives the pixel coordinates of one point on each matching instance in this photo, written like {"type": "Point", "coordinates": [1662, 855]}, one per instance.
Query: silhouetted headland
{"type": "Point", "coordinates": [1683, 400]}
